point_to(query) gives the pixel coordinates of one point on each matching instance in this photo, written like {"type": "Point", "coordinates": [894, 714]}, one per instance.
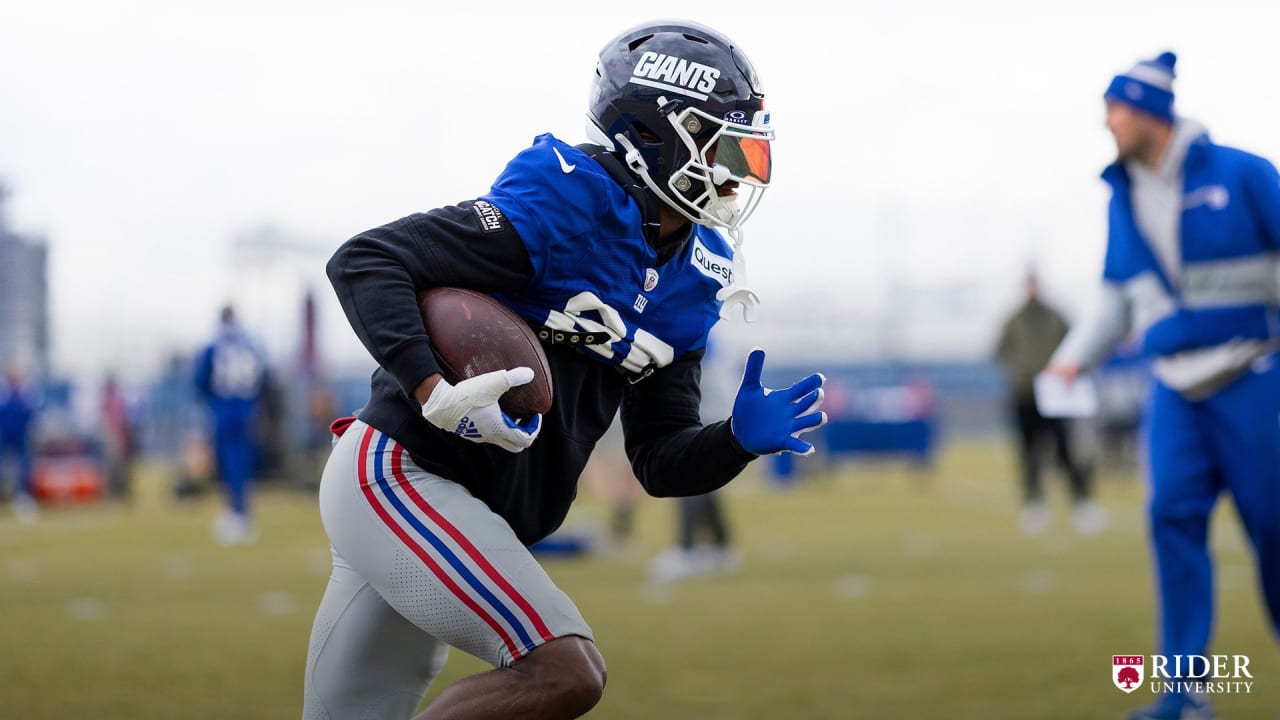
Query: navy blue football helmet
{"type": "Point", "coordinates": [683, 106]}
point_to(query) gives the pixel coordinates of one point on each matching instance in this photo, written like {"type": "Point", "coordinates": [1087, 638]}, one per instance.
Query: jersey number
{"type": "Point", "coordinates": [644, 350]}
{"type": "Point", "coordinates": [236, 372]}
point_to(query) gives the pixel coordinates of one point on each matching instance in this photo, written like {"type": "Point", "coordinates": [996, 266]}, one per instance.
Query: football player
{"type": "Point", "coordinates": [230, 375]}
{"type": "Point", "coordinates": [611, 250]}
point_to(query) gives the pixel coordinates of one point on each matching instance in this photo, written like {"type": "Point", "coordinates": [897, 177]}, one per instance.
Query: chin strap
{"type": "Point", "coordinates": [738, 292]}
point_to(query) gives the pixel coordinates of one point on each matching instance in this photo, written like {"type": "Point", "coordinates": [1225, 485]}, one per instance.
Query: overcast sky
{"type": "Point", "coordinates": [927, 150]}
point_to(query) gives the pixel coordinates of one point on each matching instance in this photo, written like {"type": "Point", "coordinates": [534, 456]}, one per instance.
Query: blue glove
{"type": "Point", "coordinates": [769, 421]}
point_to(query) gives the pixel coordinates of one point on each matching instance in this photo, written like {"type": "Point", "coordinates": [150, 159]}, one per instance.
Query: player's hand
{"type": "Point", "coordinates": [769, 421]}
{"type": "Point", "coordinates": [470, 410]}
{"type": "Point", "coordinates": [1067, 371]}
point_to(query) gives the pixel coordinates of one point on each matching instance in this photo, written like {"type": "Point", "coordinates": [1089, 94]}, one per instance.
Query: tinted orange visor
{"type": "Point", "coordinates": [747, 158]}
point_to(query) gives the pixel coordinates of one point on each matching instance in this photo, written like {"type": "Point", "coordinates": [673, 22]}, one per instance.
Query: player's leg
{"type": "Point", "coordinates": [562, 679]}
{"type": "Point", "coordinates": [238, 454]}
{"type": "Point", "coordinates": [1087, 515]}
{"type": "Point", "coordinates": [223, 452]}
{"type": "Point", "coordinates": [234, 453]}
{"type": "Point", "coordinates": [454, 569]}
{"type": "Point", "coordinates": [1184, 488]}
{"type": "Point", "coordinates": [1246, 437]}
{"type": "Point", "coordinates": [1028, 421]}
{"type": "Point", "coordinates": [26, 470]}
{"type": "Point", "coordinates": [1077, 471]}
{"type": "Point", "coordinates": [691, 511]}
{"type": "Point", "coordinates": [365, 659]}
{"type": "Point", "coordinates": [1034, 516]}
{"type": "Point", "coordinates": [22, 494]}
{"type": "Point", "coordinates": [715, 521]}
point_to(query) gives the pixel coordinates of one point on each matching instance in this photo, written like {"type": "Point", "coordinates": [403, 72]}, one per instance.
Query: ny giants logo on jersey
{"type": "Point", "coordinates": [678, 75]}
{"type": "Point", "coordinates": [716, 267]}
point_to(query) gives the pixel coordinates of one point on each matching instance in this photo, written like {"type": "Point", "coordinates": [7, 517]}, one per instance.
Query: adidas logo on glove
{"type": "Point", "coordinates": [470, 410]}
{"type": "Point", "coordinates": [467, 429]}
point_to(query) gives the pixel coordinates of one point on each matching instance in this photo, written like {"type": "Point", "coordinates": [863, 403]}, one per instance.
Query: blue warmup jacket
{"type": "Point", "coordinates": [1230, 233]}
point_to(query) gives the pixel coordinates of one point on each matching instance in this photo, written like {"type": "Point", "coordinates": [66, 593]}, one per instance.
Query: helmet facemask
{"type": "Point", "coordinates": [707, 153]}
{"type": "Point", "coordinates": [720, 151]}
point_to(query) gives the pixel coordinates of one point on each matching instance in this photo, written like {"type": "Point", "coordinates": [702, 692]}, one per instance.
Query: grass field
{"type": "Point", "coordinates": [872, 593]}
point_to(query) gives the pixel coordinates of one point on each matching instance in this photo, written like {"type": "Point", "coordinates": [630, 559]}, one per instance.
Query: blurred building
{"type": "Point", "coordinates": [24, 297]}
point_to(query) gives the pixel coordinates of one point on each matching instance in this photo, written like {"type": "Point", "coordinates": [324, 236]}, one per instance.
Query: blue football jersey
{"type": "Point", "coordinates": [593, 270]}
{"type": "Point", "coordinates": [231, 369]}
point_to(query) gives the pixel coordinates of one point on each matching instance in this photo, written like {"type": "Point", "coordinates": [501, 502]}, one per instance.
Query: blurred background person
{"type": "Point", "coordinates": [1026, 343]}
{"type": "Point", "coordinates": [1194, 228]}
{"type": "Point", "coordinates": [703, 540]}
{"type": "Point", "coordinates": [118, 439]}
{"type": "Point", "coordinates": [609, 477]}
{"type": "Point", "coordinates": [19, 403]}
{"type": "Point", "coordinates": [230, 374]}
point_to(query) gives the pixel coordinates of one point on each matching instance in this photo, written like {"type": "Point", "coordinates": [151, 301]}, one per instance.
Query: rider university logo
{"type": "Point", "coordinates": [1126, 671]}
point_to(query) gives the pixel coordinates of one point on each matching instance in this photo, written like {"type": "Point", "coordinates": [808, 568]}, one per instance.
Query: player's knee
{"type": "Point", "coordinates": [591, 677]}
{"type": "Point", "coordinates": [572, 670]}
{"type": "Point", "coordinates": [580, 682]}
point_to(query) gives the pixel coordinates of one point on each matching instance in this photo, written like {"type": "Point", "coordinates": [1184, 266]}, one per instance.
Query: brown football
{"type": "Point", "coordinates": [472, 334]}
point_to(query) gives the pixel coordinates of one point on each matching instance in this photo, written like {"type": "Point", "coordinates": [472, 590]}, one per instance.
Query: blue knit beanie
{"type": "Point", "coordinates": [1147, 86]}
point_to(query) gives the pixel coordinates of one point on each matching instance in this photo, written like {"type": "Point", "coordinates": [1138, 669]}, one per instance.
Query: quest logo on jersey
{"type": "Point", "coordinates": [490, 216]}
{"type": "Point", "coordinates": [716, 267]}
{"type": "Point", "coordinates": [668, 72]}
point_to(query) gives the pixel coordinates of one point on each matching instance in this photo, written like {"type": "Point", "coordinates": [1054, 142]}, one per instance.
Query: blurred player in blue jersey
{"type": "Point", "coordinates": [1191, 267]}
{"type": "Point", "coordinates": [230, 375]}
{"type": "Point", "coordinates": [611, 251]}
{"type": "Point", "coordinates": [19, 402]}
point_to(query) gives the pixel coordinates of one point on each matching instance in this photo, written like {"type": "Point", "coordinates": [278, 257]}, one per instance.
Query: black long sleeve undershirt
{"type": "Point", "coordinates": [376, 276]}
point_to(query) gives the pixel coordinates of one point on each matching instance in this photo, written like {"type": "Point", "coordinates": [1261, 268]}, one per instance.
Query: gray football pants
{"type": "Point", "coordinates": [419, 565]}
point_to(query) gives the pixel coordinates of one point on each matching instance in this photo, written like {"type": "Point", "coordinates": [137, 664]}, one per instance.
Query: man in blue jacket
{"type": "Point", "coordinates": [1191, 267]}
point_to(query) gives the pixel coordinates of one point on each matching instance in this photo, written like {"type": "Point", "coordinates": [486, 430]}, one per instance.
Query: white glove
{"type": "Point", "coordinates": [470, 410]}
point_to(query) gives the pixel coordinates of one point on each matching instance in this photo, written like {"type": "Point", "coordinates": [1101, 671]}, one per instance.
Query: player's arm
{"type": "Point", "coordinates": [377, 274]}
{"type": "Point", "coordinates": [671, 452]}
{"type": "Point", "coordinates": [1263, 186]}
{"type": "Point", "coordinates": [1093, 339]}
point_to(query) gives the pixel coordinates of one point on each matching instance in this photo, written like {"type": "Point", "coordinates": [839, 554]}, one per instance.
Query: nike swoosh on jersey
{"type": "Point", "coordinates": [564, 164]}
